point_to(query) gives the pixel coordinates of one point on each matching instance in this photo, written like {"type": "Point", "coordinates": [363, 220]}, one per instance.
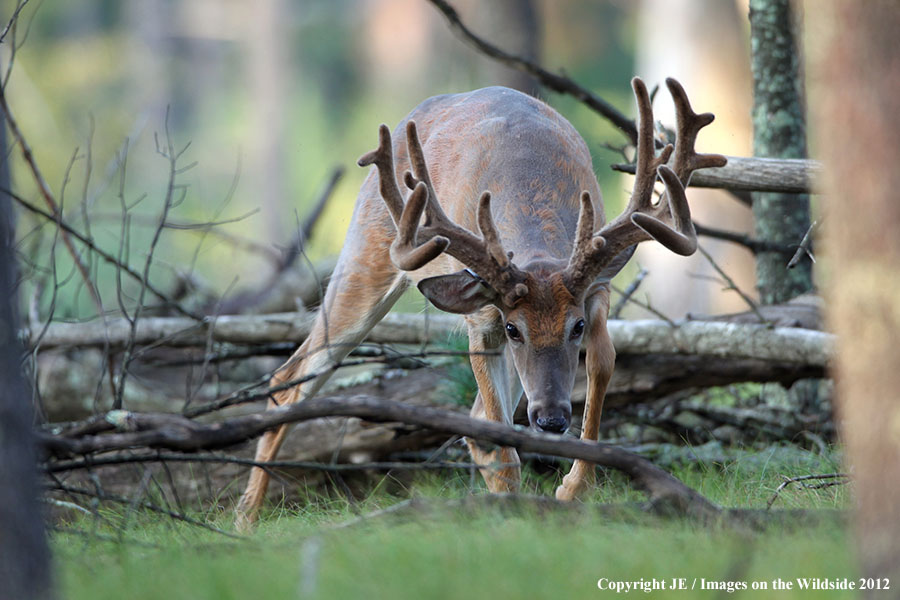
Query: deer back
{"type": "Point", "coordinates": [530, 158]}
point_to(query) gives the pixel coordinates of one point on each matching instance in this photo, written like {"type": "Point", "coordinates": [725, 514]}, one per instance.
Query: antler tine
{"type": "Point", "coordinates": [585, 242]}
{"type": "Point", "coordinates": [405, 253]}
{"type": "Point", "coordinates": [688, 125]}
{"type": "Point", "coordinates": [647, 161]}
{"type": "Point", "coordinates": [433, 210]}
{"type": "Point", "coordinates": [489, 231]}
{"type": "Point", "coordinates": [669, 220]}
{"type": "Point", "coordinates": [679, 237]}
{"type": "Point", "coordinates": [383, 159]}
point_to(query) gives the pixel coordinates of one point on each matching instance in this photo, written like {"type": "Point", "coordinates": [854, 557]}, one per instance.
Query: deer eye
{"type": "Point", "coordinates": [578, 329]}
{"type": "Point", "coordinates": [512, 332]}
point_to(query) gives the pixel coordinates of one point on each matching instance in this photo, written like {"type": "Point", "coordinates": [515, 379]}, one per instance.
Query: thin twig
{"type": "Point", "coordinates": [804, 249]}
{"type": "Point", "coordinates": [645, 305]}
{"type": "Point", "coordinates": [106, 256]}
{"type": "Point", "coordinates": [844, 479]}
{"type": "Point", "coordinates": [754, 245]}
{"type": "Point", "coordinates": [48, 197]}
{"type": "Point", "coordinates": [168, 202]}
{"type": "Point", "coordinates": [305, 232]}
{"type": "Point", "coordinates": [145, 505]}
{"type": "Point", "coordinates": [120, 459]}
{"type": "Point", "coordinates": [627, 294]}
{"type": "Point", "coordinates": [13, 19]}
{"type": "Point", "coordinates": [731, 285]}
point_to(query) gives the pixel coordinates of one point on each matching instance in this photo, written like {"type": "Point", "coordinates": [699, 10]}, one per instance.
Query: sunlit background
{"type": "Point", "coordinates": [275, 94]}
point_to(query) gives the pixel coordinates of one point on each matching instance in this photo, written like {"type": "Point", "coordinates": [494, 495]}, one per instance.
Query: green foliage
{"type": "Point", "coordinates": [93, 74]}
{"type": "Point", "coordinates": [459, 386]}
{"type": "Point", "coordinates": [318, 550]}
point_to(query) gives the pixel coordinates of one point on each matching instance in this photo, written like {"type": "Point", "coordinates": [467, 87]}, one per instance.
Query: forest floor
{"type": "Point", "coordinates": [441, 536]}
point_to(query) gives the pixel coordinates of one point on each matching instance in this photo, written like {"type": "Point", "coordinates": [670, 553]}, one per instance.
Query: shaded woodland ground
{"type": "Point", "coordinates": [151, 404]}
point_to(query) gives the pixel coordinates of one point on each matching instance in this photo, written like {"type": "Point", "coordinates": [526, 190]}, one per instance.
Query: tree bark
{"type": "Point", "coordinates": [779, 131]}
{"type": "Point", "coordinates": [701, 338]}
{"type": "Point", "coordinates": [24, 555]}
{"type": "Point", "coordinates": [754, 174]}
{"type": "Point", "coordinates": [857, 67]}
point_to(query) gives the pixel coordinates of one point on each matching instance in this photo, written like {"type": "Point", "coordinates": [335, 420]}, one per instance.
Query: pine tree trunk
{"type": "Point", "coordinates": [779, 131]}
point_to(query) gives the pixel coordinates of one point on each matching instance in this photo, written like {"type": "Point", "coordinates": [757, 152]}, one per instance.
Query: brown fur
{"type": "Point", "coordinates": [536, 166]}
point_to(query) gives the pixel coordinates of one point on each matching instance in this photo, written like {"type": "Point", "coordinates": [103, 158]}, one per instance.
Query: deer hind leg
{"type": "Point", "coordinates": [499, 392]}
{"type": "Point", "coordinates": [600, 359]}
{"type": "Point", "coordinates": [346, 318]}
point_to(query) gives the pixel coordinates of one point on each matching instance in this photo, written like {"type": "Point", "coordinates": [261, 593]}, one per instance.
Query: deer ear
{"type": "Point", "coordinates": [616, 264]}
{"type": "Point", "coordinates": [462, 292]}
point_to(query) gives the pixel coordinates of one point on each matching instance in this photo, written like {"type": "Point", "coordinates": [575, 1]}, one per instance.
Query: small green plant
{"type": "Point", "coordinates": [459, 388]}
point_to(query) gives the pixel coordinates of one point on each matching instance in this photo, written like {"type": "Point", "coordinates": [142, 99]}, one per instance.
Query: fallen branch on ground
{"type": "Point", "coordinates": [174, 432]}
{"type": "Point", "coordinates": [704, 338]}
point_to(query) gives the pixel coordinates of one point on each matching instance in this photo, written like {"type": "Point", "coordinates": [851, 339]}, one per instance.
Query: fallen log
{"type": "Point", "coordinates": [699, 338]}
{"type": "Point", "coordinates": [748, 173]}
{"type": "Point", "coordinates": [174, 432]}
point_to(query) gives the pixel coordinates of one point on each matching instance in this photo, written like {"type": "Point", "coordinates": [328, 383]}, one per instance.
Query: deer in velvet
{"type": "Point", "coordinates": [533, 282]}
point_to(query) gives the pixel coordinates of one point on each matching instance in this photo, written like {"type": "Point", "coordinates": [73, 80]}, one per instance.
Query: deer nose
{"type": "Point", "coordinates": [554, 423]}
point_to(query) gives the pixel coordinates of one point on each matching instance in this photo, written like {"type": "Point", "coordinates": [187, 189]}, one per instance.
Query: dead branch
{"type": "Point", "coordinates": [106, 256]}
{"type": "Point", "coordinates": [302, 237]}
{"type": "Point", "coordinates": [804, 311]}
{"type": "Point", "coordinates": [805, 247]}
{"type": "Point", "coordinates": [724, 340]}
{"type": "Point", "coordinates": [172, 432]}
{"type": "Point", "coordinates": [700, 338]}
{"type": "Point", "coordinates": [731, 285]}
{"type": "Point", "coordinates": [646, 305]}
{"type": "Point", "coordinates": [752, 244]}
{"type": "Point", "coordinates": [168, 152]}
{"type": "Point", "coordinates": [131, 458]}
{"type": "Point", "coordinates": [837, 479]}
{"type": "Point", "coordinates": [645, 377]}
{"type": "Point", "coordinates": [558, 83]}
{"type": "Point", "coordinates": [48, 196]}
{"type": "Point", "coordinates": [743, 173]}
{"type": "Point", "coordinates": [287, 284]}
{"type": "Point", "coordinates": [627, 293]}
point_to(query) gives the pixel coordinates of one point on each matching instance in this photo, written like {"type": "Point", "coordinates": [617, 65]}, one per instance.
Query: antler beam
{"type": "Point", "coordinates": [484, 255]}
{"type": "Point", "coordinates": [669, 220]}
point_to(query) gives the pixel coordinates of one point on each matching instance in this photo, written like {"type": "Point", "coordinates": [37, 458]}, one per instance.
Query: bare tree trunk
{"type": "Point", "coordinates": [511, 25]}
{"type": "Point", "coordinates": [858, 68]}
{"type": "Point", "coordinates": [267, 55]}
{"type": "Point", "coordinates": [24, 555]}
{"type": "Point", "coordinates": [779, 131]}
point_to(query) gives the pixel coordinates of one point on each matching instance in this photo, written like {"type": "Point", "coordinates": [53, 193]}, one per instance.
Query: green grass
{"type": "Point", "coordinates": [309, 550]}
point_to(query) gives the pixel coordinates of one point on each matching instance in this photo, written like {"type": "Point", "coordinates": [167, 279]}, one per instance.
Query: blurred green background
{"type": "Point", "coordinates": [278, 93]}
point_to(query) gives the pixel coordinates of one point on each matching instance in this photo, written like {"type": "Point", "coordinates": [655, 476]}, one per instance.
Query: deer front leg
{"type": "Point", "coordinates": [342, 323]}
{"type": "Point", "coordinates": [499, 392]}
{"type": "Point", "coordinates": [303, 361]}
{"type": "Point", "coordinates": [501, 470]}
{"type": "Point", "coordinates": [600, 359]}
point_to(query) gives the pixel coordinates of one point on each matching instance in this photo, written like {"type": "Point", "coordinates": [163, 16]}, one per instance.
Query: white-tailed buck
{"type": "Point", "coordinates": [533, 281]}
